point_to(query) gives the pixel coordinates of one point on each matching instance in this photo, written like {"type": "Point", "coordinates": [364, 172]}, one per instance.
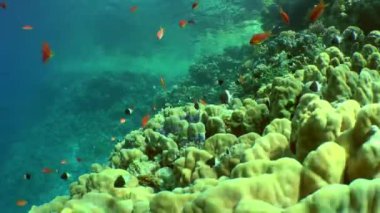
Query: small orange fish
{"type": "Point", "coordinates": [3, 5]}
{"type": "Point", "coordinates": [145, 120]}
{"type": "Point", "coordinates": [241, 79]}
{"type": "Point", "coordinates": [133, 9]}
{"type": "Point", "coordinates": [46, 52]}
{"type": "Point", "coordinates": [64, 162]}
{"type": "Point", "coordinates": [203, 102]}
{"type": "Point", "coordinates": [122, 120]}
{"type": "Point", "coordinates": [21, 202]}
{"type": "Point", "coordinates": [317, 11]}
{"type": "Point", "coordinates": [182, 23]}
{"type": "Point", "coordinates": [284, 16]}
{"type": "Point", "coordinates": [162, 82]}
{"type": "Point", "coordinates": [27, 27]}
{"type": "Point", "coordinates": [160, 33]}
{"type": "Point", "coordinates": [47, 170]}
{"type": "Point", "coordinates": [195, 5]}
{"type": "Point", "coordinates": [259, 38]}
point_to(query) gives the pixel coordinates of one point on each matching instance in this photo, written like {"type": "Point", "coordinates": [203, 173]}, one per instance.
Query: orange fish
{"type": "Point", "coordinates": [133, 9]}
{"type": "Point", "coordinates": [195, 5]}
{"type": "Point", "coordinates": [241, 79]}
{"type": "Point", "coordinates": [3, 5]}
{"type": "Point", "coordinates": [46, 52]}
{"type": "Point", "coordinates": [182, 23]}
{"type": "Point", "coordinates": [64, 162]}
{"type": "Point", "coordinates": [21, 202]}
{"type": "Point", "coordinates": [145, 120]}
{"type": "Point", "coordinates": [47, 170]}
{"type": "Point", "coordinates": [202, 101]}
{"type": "Point", "coordinates": [27, 27]}
{"type": "Point", "coordinates": [162, 82]}
{"type": "Point", "coordinates": [259, 38]}
{"type": "Point", "coordinates": [160, 33]}
{"type": "Point", "coordinates": [317, 11]}
{"type": "Point", "coordinates": [122, 120]}
{"type": "Point", "coordinates": [284, 16]}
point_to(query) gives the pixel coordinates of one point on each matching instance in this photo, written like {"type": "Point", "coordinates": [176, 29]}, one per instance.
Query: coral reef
{"type": "Point", "coordinates": [307, 141]}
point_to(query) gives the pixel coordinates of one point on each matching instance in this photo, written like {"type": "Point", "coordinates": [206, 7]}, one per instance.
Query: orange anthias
{"type": "Point", "coordinates": [145, 120]}
{"type": "Point", "coordinates": [203, 102]}
{"type": "Point", "coordinates": [259, 38]}
{"type": "Point", "coordinates": [284, 16]}
{"type": "Point", "coordinates": [133, 9]}
{"type": "Point", "coordinates": [27, 27]}
{"type": "Point", "coordinates": [162, 82]}
{"type": "Point", "coordinates": [182, 23]}
{"type": "Point", "coordinates": [47, 170]}
{"type": "Point", "coordinates": [46, 52]}
{"type": "Point", "coordinates": [21, 202]}
{"type": "Point", "coordinates": [317, 11]}
{"type": "Point", "coordinates": [160, 33]}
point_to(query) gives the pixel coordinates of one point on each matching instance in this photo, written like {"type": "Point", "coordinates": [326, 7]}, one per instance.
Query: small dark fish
{"type": "Point", "coordinates": [315, 86]}
{"type": "Point", "coordinates": [65, 176]}
{"type": "Point", "coordinates": [225, 97]}
{"type": "Point", "coordinates": [3, 5]}
{"type": "Point", "coordinates": [336, 40]}
{"type": "Point", "coordinates": [228, 151]}
{"type": "Point", "coordinates": [194, 5]}
{"type": "Point", "coordinates": [220, 82]}
{"type": "Point", "coordinates": [211, 162]}
{"type": "Point", "coordinates": [191, 21]}
{"type": "Point", "coordinates": [119, 182]}
{"type": "Point", "coordinates": [27, 176]}
{"type": "Point", "coordinates": [128, 111]}
{"type": "Point", "coordinates": [292, 147]}
{"type": "Point", "coordinates": [196, 105]}
{"type": "Point", "coordinates": [79, 159]}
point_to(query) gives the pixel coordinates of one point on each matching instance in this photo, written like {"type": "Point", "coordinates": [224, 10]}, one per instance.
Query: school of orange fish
{"type": "Point", "coordinates": [256, 39]}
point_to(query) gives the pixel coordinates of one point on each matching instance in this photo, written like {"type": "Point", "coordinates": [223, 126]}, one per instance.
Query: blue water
{"type": "Point", "coordinates": [105, 58]}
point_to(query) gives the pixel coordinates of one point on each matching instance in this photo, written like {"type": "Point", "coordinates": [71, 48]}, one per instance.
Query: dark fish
{"type": "Point", "coordinates": [292, 147]}
{"type": "Point", "coordinates": [128, 111]}
{"type": "Point", "coordinates": [191, 21]}
{"type": "Point", "coordinates": [336, 40]}
{"type": "Point", "coordinates": [228, 151]}
{"type": "Point", "coordinates": [196, 105]}
{"type": "Point", "coordinates": [314, 86]}
{"type": "Point", "coordinates": [3, 5]}
{"type": "Point", "coordinates": [27, 176]}
{"type": "Point", "coordinates": [211, 162]}
{"type": "Point", "coordinates": [119, 182]}
{"type": "Point", "coordinates": [225, 97]}
{"type": "Point", "coordinates": [65, 176]}
{"type": "Point", "coordinates": [220, 82]}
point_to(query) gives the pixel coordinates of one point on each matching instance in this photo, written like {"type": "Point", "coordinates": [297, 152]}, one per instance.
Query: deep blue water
{"type": "Point", "coordinates": [70, 106]}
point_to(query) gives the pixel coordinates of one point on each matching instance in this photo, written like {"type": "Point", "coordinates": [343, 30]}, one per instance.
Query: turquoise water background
{"type": "Point", "coordinates": [105, 58]}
